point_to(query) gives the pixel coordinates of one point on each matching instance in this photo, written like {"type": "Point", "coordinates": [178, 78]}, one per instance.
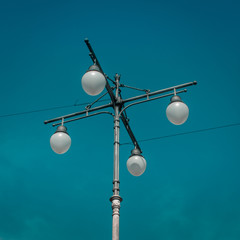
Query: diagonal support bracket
{"type": "Point", "coordinates": [130, 132]}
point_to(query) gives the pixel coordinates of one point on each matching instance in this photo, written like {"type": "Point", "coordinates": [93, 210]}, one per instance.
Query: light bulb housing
{"type": "Point", "coordinates": [60, 141]}
{"type": "Point", "coordinates": [93, 81]}
{"type": "Point", "coordinates": [136, 164]}
{"type": "Point", "coordinates": [177, 111]}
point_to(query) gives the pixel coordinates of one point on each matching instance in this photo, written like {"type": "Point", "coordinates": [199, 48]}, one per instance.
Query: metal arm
{"type": "Point", "coordinates": [130, 132]}
{"type": "Point", "coordinates": [138, 89]}
{"type": "Point", "coordinates": [91, 104]}
{"type": "Point", "coordinates": [148, 100]}
{"type": "Point", "coordinates": [78, 113]}
{"type": "Point", "coordinates": [111, 94]}
{"type": "Point", "coordinates": [87, 116]}
{"type": "Point", "coordinates": [160, 91]}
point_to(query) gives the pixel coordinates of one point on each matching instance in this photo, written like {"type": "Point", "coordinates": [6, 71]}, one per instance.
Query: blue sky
{"type": "Point", "coordinates": [190, 189]}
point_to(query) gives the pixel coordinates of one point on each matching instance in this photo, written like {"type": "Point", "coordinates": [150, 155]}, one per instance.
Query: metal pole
{"type": "Point", "coordinates": [118, 106]}
{"type": "Point", "coordinates": [116, 199]}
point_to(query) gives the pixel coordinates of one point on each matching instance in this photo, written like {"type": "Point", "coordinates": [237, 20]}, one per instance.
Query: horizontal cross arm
{"type": "Point", "coordinates": [159, 92]}
{"type": "Point", "coordinates": [78, 113]}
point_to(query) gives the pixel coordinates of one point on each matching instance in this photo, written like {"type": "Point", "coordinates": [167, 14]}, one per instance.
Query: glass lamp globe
{"type": "Point", "coordinates": [177, 111]}
{"type": "Point", "coordinates": [60, 141]}
{"type": "Point", "coordinates": [136, 164]}
{"type": "Point", "coordinates": [93, 81]}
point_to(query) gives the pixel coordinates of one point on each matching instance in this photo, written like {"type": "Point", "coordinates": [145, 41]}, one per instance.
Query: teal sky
{"type": "Point", "coordinates": [190, 190]}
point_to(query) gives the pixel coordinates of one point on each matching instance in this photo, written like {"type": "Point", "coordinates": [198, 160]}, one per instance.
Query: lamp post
{"type": "Point", "coordinates": [93, 82]}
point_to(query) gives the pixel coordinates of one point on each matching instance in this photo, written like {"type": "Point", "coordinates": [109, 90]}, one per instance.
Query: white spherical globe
{"type": "Point", "coordinates": [93, 82]}
{"type": "Point", "coordinates": [177, 112]}
{"type": "Point", "coordinates": [136, 165]}
{"type": "Point", "coordinates": [60, 142]}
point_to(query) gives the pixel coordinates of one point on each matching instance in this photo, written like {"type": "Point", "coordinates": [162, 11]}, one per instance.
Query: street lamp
{"type": "Point", "coordinates": [136, 164]}
{"type": "Point", "coordinates": [177, 111]}
{"type": "Point", "coordinates": [93, 83]}
{"type": "Point", "coordinates": [60, 141]}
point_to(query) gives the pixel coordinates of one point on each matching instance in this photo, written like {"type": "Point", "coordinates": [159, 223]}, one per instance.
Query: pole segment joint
{"type": "Point", "coordinates": [116, 200]}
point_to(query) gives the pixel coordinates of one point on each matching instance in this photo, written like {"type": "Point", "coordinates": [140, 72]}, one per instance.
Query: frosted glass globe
{"type": "Point", "coordinates": [177, 112]}
{"type": "Point", "coordinates": [93, 82]}
{"type": "Point", "coordinates": [60, 142]}
{"type": "Point", "coordinates": [136, 165]}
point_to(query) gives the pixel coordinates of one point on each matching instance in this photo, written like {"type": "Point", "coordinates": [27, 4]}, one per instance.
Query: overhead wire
{"type": "Point", "coordinates": [126, 143]}
{"type": "Point", "coordinates": [184, 133]}
{"type": "Point", "coordinates": [47, 109]}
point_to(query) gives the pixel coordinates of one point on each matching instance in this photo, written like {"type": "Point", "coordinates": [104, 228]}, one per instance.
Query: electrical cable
{"type": "Point", "coordinates": [126, 143]}
{"type": "Point", "coordinates": [46, 109]}
{"type": "Point", "coordinates": [184, 133]}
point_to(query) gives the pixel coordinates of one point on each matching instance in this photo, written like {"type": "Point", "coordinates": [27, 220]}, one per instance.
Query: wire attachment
{"type": "Point", "coordinates": [134, 88]}
{"type": "Point", "coordinates": [147, 95]}
{"type": "Point", "coordinates": [88, 107]}
{"type": "Point", "coordinates": [91, 104]}
{"type": "Point", "coordinates": [107, 77]}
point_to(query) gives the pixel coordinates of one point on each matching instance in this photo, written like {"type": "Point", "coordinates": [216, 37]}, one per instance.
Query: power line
{"type": "Point", "coordinates": [184, 133]}
{"type": "Point", "coordinates": [46, 109]}
{"type": "Point", "coordinates": [127, 143]}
